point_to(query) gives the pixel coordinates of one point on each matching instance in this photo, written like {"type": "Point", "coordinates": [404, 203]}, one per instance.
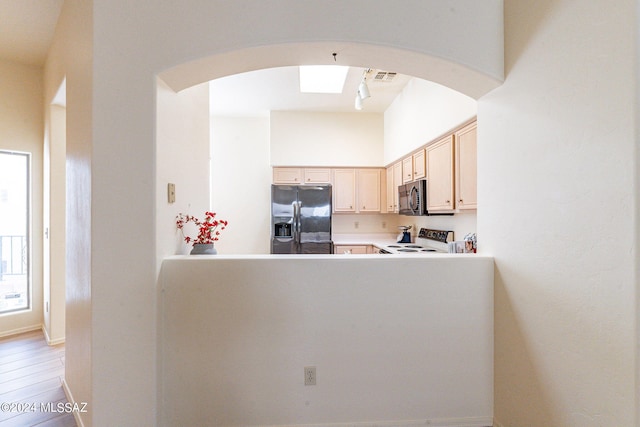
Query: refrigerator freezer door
{"type": "Point", "coordinates": [284, 199]}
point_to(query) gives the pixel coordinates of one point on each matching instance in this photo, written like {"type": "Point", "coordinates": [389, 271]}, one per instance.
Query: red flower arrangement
{"type": "Point", "coordinates": [207, 230]}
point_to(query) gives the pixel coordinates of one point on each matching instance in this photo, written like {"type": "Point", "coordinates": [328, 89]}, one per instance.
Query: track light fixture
{"type": "Point", "coordinates": [363, 90]}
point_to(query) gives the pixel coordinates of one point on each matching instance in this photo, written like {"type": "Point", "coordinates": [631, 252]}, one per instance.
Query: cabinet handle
{"type": "Point", "coordinates": [460, 200]}
{"type": "Point", "coordinates": [448, 201]}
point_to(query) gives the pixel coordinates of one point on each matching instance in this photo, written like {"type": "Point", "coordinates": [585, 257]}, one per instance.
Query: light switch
{"type": "Point", "coordinates": [171, 193]}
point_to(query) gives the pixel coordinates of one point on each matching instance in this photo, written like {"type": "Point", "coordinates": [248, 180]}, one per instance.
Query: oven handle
{"type": "Point", "coordinates": [413, 208]}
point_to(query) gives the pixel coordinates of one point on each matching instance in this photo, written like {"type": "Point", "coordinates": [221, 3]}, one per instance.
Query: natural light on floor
{"type": "Point", "coordinates": [14, 220]}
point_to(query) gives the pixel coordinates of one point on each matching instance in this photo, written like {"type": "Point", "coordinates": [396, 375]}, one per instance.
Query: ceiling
{"type": "Point", "coordinates": [26, 29]}
{"type": "Point", "coordinates": [256, 93]}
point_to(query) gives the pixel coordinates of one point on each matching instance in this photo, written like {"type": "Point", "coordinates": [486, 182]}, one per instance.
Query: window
{"type": "Point", "coordinates": [14, 231]}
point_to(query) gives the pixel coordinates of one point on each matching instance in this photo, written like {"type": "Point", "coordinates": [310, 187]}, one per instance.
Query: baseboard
{"type": "Point", "coordinates": [20, 330]}
{"type": "Point", "coordinates": [438, 422]}
{"type": "Point", "coordinates": [70, 399]}
{"type": "Point", "coordinates": [49, 340]}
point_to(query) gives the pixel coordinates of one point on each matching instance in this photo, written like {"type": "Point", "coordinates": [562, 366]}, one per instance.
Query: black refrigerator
{"type": "Point", "coordinates": [301, 219]}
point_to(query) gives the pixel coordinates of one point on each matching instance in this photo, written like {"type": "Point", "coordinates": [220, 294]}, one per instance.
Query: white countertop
{"type": "Point", "coordinates": [382, 241]}
{"type": "Point", "coordinates": [375, 239]}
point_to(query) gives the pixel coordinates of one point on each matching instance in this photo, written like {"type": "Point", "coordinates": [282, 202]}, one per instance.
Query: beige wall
{"type": "Point", "coordinates": [119, 48]}
{"type": "Point", "coordinates": [556, 149]}
{"type": "Point", "coordinates": [421, 113]}
{"type": "Point", "coordinates": [554, 164]}
{"type": "Point", "coordinates": [388, 352]}
{"type": "Point", "coordinates": [21, 129]}
{"type": "Point", "coordinates": [241, 183]}
{"type": "Point", "coordinates": [182, 158]}
{"type": "Point", "coordinates": [326, 139]}
{"type": "Point", "coordinates": [70, 56]}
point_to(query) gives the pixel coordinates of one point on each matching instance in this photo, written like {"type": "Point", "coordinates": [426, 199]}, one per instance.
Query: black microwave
{"type": "Point", "coordinates": [412, 198]}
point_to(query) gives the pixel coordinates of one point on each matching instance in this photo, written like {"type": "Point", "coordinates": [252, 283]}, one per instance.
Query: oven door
{"type": "Point", "coordinates": [404, 196]}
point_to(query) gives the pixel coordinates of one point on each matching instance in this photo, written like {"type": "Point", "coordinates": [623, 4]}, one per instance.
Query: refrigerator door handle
{"type": "Point", "coordinates": [299, 224]}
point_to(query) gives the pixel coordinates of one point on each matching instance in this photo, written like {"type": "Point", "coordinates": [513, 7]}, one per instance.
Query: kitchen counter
{"type": "Point", "coordinates": [387, 242]}
{"type": "Point", "coordinates": [375, 239]}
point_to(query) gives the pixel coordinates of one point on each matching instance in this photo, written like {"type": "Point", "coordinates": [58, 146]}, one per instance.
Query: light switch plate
{"type": "Point", "coordinates": [171, 193]}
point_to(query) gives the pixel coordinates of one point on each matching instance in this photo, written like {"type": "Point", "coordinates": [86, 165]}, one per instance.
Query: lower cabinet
{"type": "Point", "coordinates": [353, 249]}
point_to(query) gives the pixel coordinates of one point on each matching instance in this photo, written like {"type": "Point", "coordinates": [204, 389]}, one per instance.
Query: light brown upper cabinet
{"type": "Point", "coordinates": [368, 190]}
{"type": "Point", "coordinates": [407, 169]}
{"type": "Point", "coordinates": [466, 167]}
{"type": "Point", "coordinates": [344, 190]}
{"type": "Point", "coordinates": [394, 179]}
{"type": "Point", "coordinates": [317, 175]}
{"type": "Point", "coordinates": [419, 165]}
{"type": "Point", "coordinates": [287, 175]}
{"type": "Point", "coordinates": [440, 178]}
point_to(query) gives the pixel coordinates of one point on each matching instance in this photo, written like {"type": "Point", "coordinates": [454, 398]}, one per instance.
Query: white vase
{"type": "Point", "coordinates": [203, 249]}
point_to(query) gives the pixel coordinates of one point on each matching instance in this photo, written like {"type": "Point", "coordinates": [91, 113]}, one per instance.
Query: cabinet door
{"type": "Point", "coordinates": [440, 175]}
{"type": "Point", "coordinates": [419, 166]}
{"type": "Point", "coordinates": [391, 190]}
{"type": "Point", "coordinates": [351, 249]}
{"type": "Point", "coordinates": [344, 190]}
{"type": "Point", "coordinates": [466, 167]}
{"type": "Point", "coordinates": [287, 176]}
{"type": "Point", "coordinates": [369, 190]}
{"type": "Point", "coordinates": [397, 181]}
{"type": "Point", "coordinates": [317, 176]}
{"type": "Point", "coordinates": [407, 170]}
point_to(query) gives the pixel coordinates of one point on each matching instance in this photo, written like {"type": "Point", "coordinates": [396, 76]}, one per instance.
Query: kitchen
{"type": "Point", "coordinates": [399, 118]}
{"type": "Point", "coordinates": [323, 311]}
{"type": "Point", "coordinates": [558, 146]}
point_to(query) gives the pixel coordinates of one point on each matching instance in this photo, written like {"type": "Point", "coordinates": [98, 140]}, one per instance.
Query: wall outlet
{"type": "Point", "coordinates": [309, 375]}
{"type": "Point", "coordinates": [356, 224]}
{"type": "Point", "coordinates": [384, 224]}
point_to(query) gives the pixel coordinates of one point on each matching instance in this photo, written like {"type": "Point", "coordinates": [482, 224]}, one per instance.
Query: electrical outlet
{"type": "Point", "coordinates": [309, 375]}
{"type": "Point", "coordinates": [356, 224]}
{"type": "Point", "coordinates": [384, 224]}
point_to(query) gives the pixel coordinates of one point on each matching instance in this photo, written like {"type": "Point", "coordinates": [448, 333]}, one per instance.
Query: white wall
{"type": "Point", "coordinates": [241, 183]}
{"type": "Point", "coordinates": [416, 351]}
{"type": "Point", "coordinates": [71, 56]}
{"type": "Point", "coordinates": [111, 83]}
{"type": "Point", "coordinates": [182, 155]}
{"type": "Point", "coordinates": [54, 208]}
{"type": "Point", "coordinates": [21, 129]}
{"type": "Point", "coordinates": [422, 112]}
{"type": "Point", "coordinates": [556, 149]}
{"type": "Point", "coordinates": [326, 139]}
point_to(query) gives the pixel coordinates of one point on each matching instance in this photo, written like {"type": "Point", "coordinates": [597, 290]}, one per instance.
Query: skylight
{"type": "Point", "coordinates": [322, 78]}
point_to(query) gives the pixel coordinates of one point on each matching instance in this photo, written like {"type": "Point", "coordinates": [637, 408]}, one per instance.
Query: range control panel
{"type": "Point", "coordinates": [443, 236]}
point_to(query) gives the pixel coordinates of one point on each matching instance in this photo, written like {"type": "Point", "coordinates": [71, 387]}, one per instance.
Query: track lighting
{"type": "Point", "coordinates": [363, 90]}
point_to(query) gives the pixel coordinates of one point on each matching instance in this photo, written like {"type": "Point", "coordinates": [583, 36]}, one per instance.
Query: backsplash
{"type": "Point", "coordinates": [460, 223]}
{"type": "Point", "coordinates": [364, 223]}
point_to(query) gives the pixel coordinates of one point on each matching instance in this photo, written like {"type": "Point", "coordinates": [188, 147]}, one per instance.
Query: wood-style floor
{"type": "Point", "coordinates": [31, 374]}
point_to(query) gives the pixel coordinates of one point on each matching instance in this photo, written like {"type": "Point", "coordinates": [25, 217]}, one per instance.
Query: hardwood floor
{"type": "Point", "coordinates": [31, 374]}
